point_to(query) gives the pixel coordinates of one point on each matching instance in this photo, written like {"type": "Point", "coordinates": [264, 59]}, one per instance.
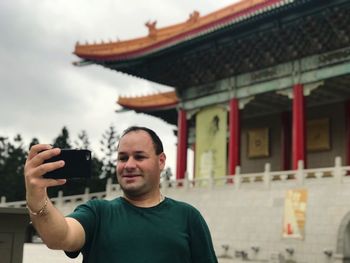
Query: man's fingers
{"type": "Point", "coordinates": [39, 158]}
{"type": "Point", "coordinates": [55, 182]}
{"type": "Point", "coordinates": [35, 149]}
{"type": "Point", "coordinates": [43, 183]}
{"type": "Point", "coordinates": [36, 167]}
{"type": "Point", "coordinates": [35, 177]}
{"type": "Point", "coordinates": [47, 167]}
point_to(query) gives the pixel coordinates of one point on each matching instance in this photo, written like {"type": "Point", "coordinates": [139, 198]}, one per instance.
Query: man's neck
{"type": "Point", "coordinates": [145, 201]}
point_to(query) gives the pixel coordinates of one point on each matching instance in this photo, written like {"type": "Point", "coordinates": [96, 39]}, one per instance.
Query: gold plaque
{"type": "Point", "coordinates": [258, 142]}
{"type": "Point", "coordinates": [318, 135]}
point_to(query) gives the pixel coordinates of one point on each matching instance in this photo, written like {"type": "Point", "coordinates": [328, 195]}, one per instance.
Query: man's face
{"type": "Point", "coordinates": [138, 166]}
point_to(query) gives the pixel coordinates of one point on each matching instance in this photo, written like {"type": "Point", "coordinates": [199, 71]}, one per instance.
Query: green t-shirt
{"type": "Point", "coordinates": [118, 232]}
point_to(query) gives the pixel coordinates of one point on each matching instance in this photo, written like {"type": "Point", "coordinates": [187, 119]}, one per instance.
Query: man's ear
{"type": "Point", "coordinates": [162, 158]}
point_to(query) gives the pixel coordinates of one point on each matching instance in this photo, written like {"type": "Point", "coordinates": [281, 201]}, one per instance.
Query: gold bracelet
{"type": "Point", "coordinates": [42, 210]}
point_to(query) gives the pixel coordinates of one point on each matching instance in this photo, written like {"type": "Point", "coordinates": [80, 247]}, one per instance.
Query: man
{"type": "Point", "coordinates": [141, 226]}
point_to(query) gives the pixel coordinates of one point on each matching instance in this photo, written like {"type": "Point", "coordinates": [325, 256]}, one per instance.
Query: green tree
{"type": "Point", "coordinates": [97, 166]}
{"type": "Point", "coordinates": [62, 141]}
{"type": "Point", "coordinates": [34, 141]}
{"type": "Point", "coordinates": [13, 155]}
{"type": "Point", "coordinates": [3, 151]}
{"type": "Point", "coordinates": [4, 144]}
{"type": "Point", "coordinates": [83, 141]}
{"type": "Point", "coordinates": [12, 159]}
{"type": "Point", "coordinates": [109, 150]}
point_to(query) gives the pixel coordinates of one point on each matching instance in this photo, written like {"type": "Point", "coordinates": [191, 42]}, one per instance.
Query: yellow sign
{"type": "Point", "coordinates": [294, 213]}
{"type": "Point", "coordinates": [211, 142]}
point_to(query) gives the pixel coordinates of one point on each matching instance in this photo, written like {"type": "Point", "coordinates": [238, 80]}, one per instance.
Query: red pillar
{"type": "Point", "coordinates": [181, 162]}
{"type": "Point", "coordinates": [298, 133]}
{"type": "Point", "coordinates": [347, 122]}
{"type": "Point", "coordinates": [234, 139]}
{"type": "Point", "coordinates": [285, 141]}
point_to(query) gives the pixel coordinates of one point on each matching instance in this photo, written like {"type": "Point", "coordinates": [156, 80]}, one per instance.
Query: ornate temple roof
{"type": "Point", "coordinates": [161, 105]}
{"type": "Point", "coordinates": [164, 100]}
{"type": "Point", "coordinates": [163, 38]}
{"type": "Point", "coordinates": [242, 41]}
{"type": "Point", "coordinates": [243, 37]}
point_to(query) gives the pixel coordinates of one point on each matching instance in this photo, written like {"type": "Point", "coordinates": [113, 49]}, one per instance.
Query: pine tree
{"type": "Point", "coordinates": [62, 141]}
{"type": "Point", "coordinates": [109, 149]}
{"type": "Point", "coordinates": [3, 152]}
{"type": "Point", "coordinates": [83, 141]}
{"type": "Point", "coordinates": [3, 159]}
{"type": "Point", "coordinates": [13, 157]}
{"type": "Point", "coordinates": [33, 142]}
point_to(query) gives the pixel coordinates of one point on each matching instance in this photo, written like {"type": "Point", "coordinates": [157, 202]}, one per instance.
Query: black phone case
{"type": "Point", "coordinates": [77, 164]}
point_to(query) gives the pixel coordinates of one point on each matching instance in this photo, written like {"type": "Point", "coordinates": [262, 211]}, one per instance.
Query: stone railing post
{"type": "Point", "coordinates": [338, 171]}
{"type": "Point", "coordinates": [237, 177]}
{"type": "Point", "coordinates": [164, 185]}
{"type": "Point", "coordinates": [186, 181]}
{"type": "Point", "coordinates": [59, 202]}
{"type": "Point", "coordinates": [300, 172]}
{"type": "Point", "coordinates": [338, 258]}
{"type": "Point", "coordinates": [267, 175]}
{"type": "Point", "coordinates": [3, 201]}
{"type": "Point", "coordinates": [86, 194]}
{"type": "Point", "coordinates": [109, 187]}
{"type": "Point", "coordinates": [211, 180]}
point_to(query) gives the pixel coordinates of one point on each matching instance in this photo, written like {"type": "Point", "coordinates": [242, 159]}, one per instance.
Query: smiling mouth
{"type": "Point", "coordinates": [130, 178]}
{"type": "Point", "coordinates": [130, 175]}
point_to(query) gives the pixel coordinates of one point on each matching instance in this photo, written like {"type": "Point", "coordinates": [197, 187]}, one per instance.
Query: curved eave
{"type": "Point", "coordinates": [159, 101]}
{"type": "Point", "coordinates": [167, 113]}
{"type": "Point", "coordinates": [149, 107]}
{"type": "Point", "coordinates": [230, 20]}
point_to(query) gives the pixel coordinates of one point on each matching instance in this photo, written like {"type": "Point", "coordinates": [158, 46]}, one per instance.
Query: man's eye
{"type": "Point", "coordinates": [122, 158]}
{"type": "Point", "coordinates": [139, 157]}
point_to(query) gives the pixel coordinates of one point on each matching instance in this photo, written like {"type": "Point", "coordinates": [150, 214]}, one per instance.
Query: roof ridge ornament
{"type": "Point", "coordinates": [193, 18]}
{"type": "Point", "coordinates": [152, 30]}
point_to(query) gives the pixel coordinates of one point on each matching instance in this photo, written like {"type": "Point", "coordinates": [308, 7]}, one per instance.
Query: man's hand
{"type": "Point", "coordinates": [34, 170]}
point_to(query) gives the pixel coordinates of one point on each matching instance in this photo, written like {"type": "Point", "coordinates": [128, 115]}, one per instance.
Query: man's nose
{"type": "Point", "coordinates": [130, 163]}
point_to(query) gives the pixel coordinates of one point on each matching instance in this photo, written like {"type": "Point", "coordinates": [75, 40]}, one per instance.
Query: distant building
{"type": "Point", "coordinates": [279, 71]}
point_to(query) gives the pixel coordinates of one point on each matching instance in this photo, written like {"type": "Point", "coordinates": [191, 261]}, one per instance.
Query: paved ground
{"type": "Point", "coordinates": [34, 253]}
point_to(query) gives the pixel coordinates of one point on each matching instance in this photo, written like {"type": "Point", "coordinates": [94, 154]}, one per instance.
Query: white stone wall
{"type": "Point", "coordinates": [247, 218]}
{"type": "Point", "coordinates": [249, 212]}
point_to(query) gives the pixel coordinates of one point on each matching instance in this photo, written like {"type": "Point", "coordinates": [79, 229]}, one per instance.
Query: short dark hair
{"type": "Point", "coordinates": [157, 143]}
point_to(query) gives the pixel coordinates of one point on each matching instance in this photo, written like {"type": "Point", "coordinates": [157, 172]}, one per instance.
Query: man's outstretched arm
{"type": "Point", "coordinates": [56, 231]}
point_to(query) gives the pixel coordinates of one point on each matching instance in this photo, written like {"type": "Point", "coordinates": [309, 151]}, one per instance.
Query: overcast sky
{"type": "Point", "coordinates": [41, 91]}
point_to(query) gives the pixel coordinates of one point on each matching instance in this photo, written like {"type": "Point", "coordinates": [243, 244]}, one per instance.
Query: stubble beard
{"type": "Point", "coordinates": [134, 190]}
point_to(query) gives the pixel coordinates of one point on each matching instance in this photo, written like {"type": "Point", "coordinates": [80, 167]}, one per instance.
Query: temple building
{"type": "Point", "coordinates": [257, 82]}
{"type": "Point", "coordinates": [262, 80]}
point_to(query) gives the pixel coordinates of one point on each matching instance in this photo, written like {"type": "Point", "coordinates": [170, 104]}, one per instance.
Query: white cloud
{"type": "Point", "coordinates": [40, 90]}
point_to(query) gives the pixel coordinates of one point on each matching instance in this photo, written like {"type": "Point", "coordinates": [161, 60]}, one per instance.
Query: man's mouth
{"type": "Point", "coordinates": [130, 178]}
{"type": "Point", "coordinates": [130, 175]}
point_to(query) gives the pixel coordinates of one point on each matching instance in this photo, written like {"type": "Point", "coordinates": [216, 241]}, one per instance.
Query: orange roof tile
{"type": "Point", "coordinates": [162, 100]}
{"type": "Point", "coordinates": [168, 36]}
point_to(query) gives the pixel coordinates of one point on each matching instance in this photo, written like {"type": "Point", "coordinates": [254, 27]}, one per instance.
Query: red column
{"type": "Point", "coordinates": [181, 162]}
{"type": "Point", "coordinates": [347, 120]}
{"type": "Point", "coordinates": [285, 141]}
{"type": "Point", "coordinates": [234, 139]}
{"type": "Point", "coordinates": [298, 133]}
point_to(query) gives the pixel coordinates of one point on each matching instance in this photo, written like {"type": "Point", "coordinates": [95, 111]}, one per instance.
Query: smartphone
{"type": "Point", "coordinates": [78, 164]}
